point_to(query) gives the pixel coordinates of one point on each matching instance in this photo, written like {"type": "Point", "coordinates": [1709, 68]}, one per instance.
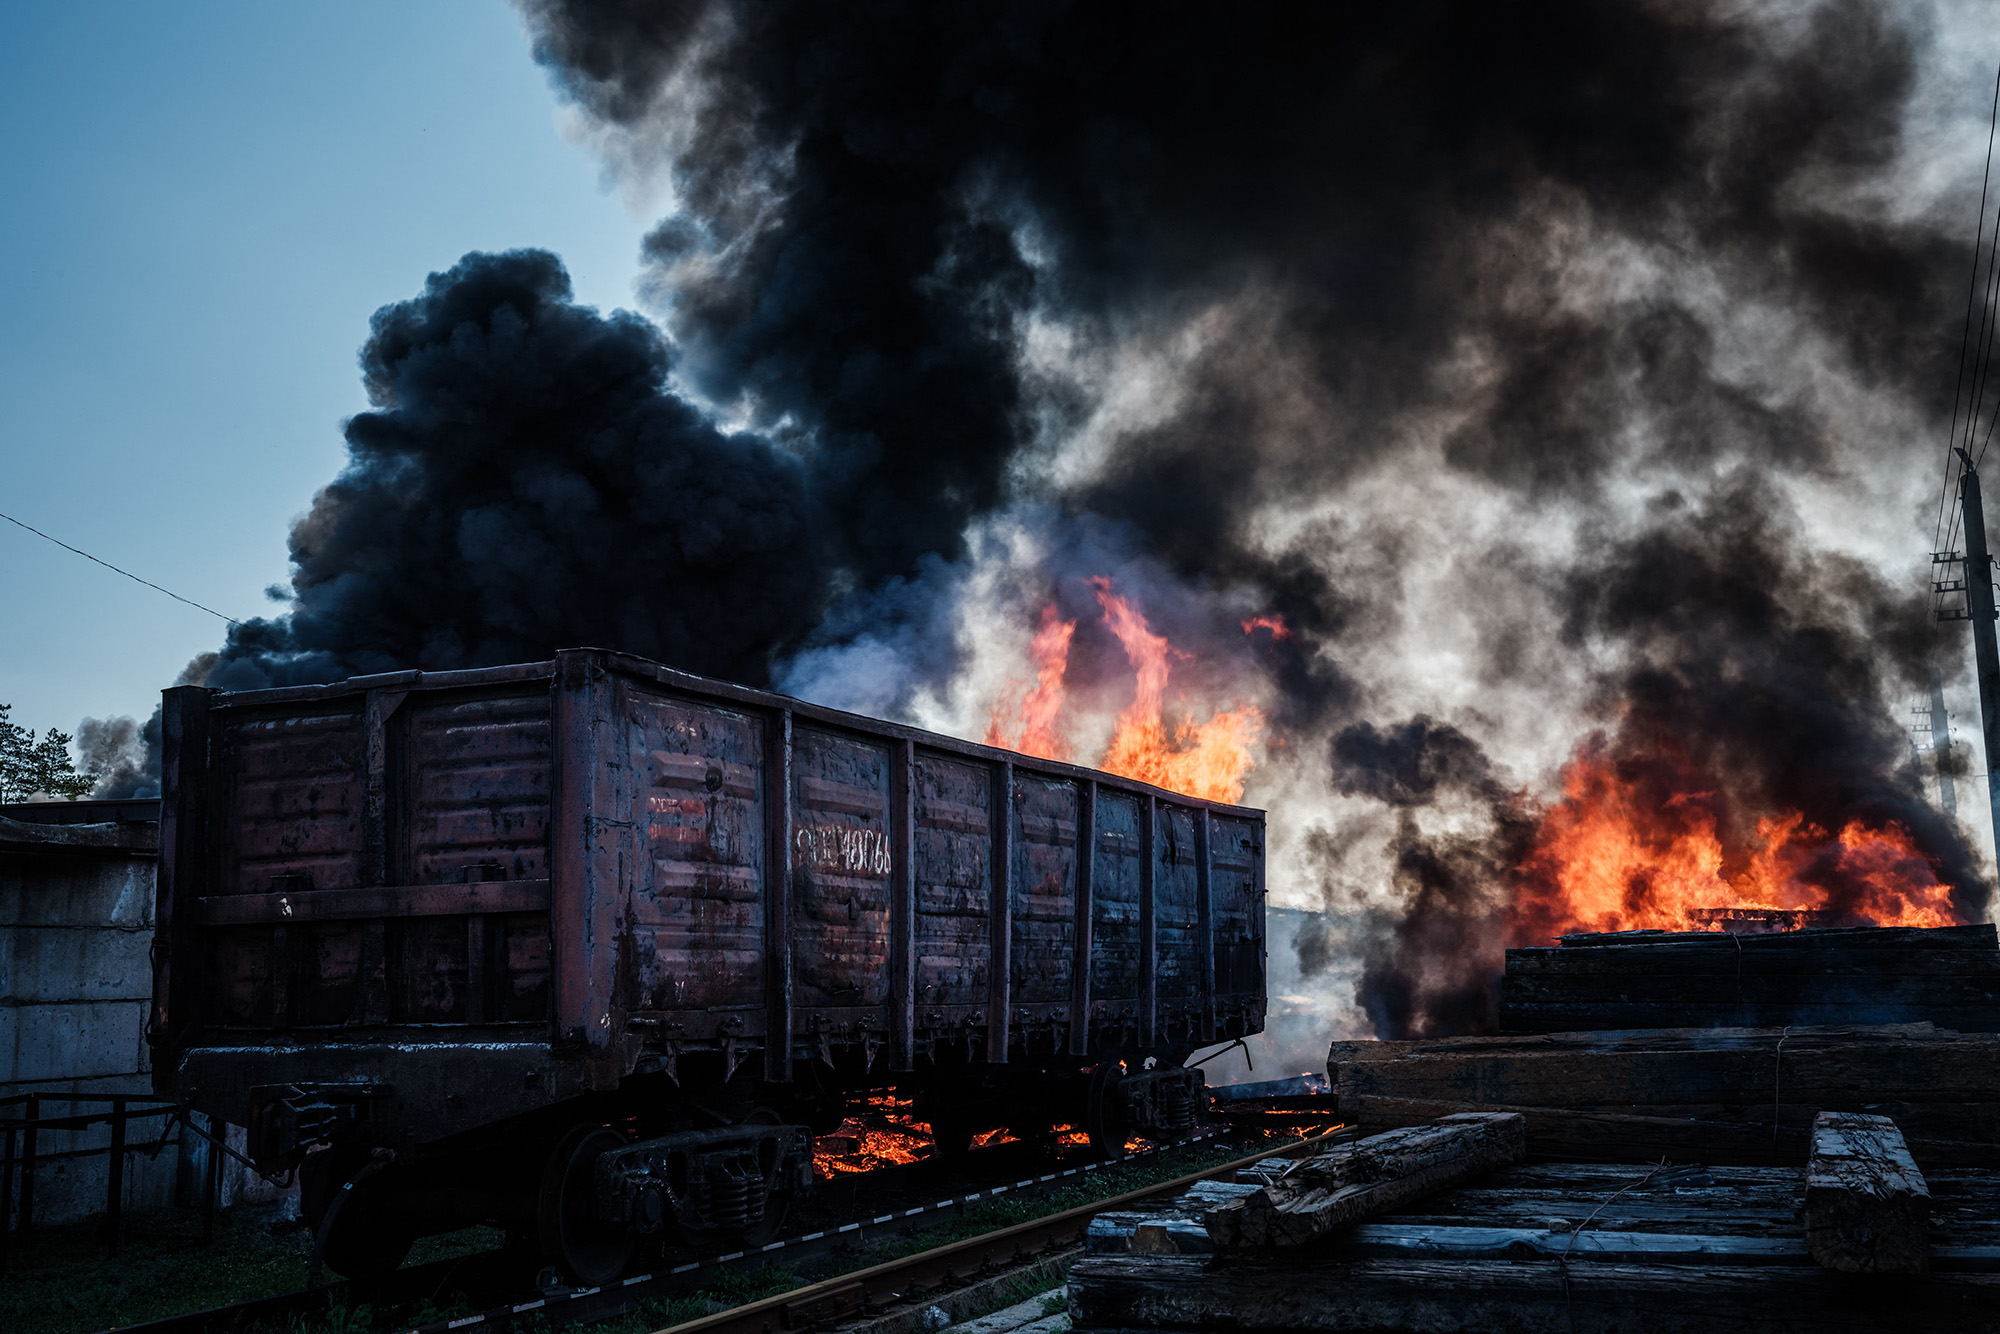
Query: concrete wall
{"type": "Point", "coordinates": [76, 983]}
{"type": "Point", "coordinates": [76, 925]}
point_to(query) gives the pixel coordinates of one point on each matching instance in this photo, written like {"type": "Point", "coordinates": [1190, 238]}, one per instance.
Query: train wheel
{"type": "Point", "coordinates": [364, 1238]}
{"type": "Point", "coordinates": [585, 1246]}
{"type": "Point", "coordinates": [1100, 1119]}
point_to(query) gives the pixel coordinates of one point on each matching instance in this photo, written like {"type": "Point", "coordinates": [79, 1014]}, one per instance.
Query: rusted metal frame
{"type": "Point", "coordinates": [211, 1190]}
{"type": "Point", "coordinates": [903, 905]}
{"type": "Point", "coordinates": [1000, 965]}
{"type": "Point", "coordinates": [702, 686]}
{"type": "Point", "coordinates": [184, 763]}
{"type": "Point", "coordinates": [586, 865]}
{"type": "Point", "coordinates": [1149, 952]}
{"type": "Point", "coordinates": [7, 1201]}
{"type": "Point", "coordinates": [778, 897]}
{"type": "Point", "coordinates": [30, 1147]}
{"type": "Point", "coordinates": [1086, 876]}
{"type": "Point", "coordinates": [114, 1173]}
{"type": "Point", "coordinates": [1257, 914]}
{"type": "Point", "coordinates": [877, 730]}
{"type": "Point", "coordinates": [380, 791]}
{"type": "Point", "coordinates": [513, 673]}
{"type": "Point", "coordinates": [480, 897]}
{"type": "Point", "coordinates": [1204, 923]}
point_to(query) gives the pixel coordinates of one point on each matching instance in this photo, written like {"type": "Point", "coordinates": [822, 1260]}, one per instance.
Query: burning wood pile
{"type": "Point", "coordinates": [1708, 1130]}
{"type": "Point", "coordinates": [1949, 976]}
{"type": "Point", "coordinates": [1742, 1095]}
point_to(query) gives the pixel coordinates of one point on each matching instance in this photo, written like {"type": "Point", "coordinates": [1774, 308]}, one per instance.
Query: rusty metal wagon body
{"type": "Point", "coordinates": [442, 921]}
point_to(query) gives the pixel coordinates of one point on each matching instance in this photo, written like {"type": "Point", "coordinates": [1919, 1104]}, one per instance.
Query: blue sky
{"type": "Point", "coordinates": [201, 204]}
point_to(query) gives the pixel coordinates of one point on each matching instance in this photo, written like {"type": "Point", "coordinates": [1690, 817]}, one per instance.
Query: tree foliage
{"type": "Point", "coordinates": [31, 764]}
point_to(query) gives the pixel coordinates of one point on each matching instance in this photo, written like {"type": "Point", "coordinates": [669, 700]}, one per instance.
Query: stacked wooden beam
{"type": "Point", "coordinates": [1576, 1246]}
{"type": "Point", "coordinates": [1745, 1095]}
{"type": "Point", "coordinates": [1949, 976]}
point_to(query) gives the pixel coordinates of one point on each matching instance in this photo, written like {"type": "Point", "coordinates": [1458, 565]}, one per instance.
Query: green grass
{"type": "Point", "coordinates": [60, 1282]}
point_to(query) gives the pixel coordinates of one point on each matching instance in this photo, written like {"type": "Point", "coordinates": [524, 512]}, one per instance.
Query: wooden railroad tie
{"type": "Point", "coordinates": [1867, 1206]}
{"type": "Point", "coordinates": [1366, 1178]}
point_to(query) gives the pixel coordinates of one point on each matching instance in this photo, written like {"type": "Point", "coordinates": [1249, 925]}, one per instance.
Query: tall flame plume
{"type": "Point", "coordinates": [1207, 759]}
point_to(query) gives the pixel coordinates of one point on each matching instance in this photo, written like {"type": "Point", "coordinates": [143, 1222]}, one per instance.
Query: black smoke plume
{"type": "Point", "coordinates": [527, 481]}
{"type": "Point", "coordinates": [1570, 261]}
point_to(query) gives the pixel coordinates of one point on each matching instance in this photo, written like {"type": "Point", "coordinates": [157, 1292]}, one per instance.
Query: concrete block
{"type": "Point", "coordinates": [72, 1040]}
{"type": "Point", "coordinates": [76, 890]}
{"type": "Point", "coordinates": [50, 965]}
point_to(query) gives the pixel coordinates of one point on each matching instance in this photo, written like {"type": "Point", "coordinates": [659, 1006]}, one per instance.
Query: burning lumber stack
{"type": "Point", "coordinates": [1949, 976]}
{"type": "Point", "coordinates": [1744, 1095]}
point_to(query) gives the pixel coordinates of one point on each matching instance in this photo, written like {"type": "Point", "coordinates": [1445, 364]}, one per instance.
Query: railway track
{"type": "Point", "coordinates": [500, 1276]}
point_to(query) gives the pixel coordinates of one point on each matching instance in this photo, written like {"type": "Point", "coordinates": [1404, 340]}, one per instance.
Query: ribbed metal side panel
{"type": "Point", "coordinates": [954, 850]}
{"type": "Point", "coordinates": [840, 869]}
{"type": "Point", "coordinates": [478, 782]}
{"type": "Point", "coordinates": [1044, 949]}
{"type": "Point", "coordinates": [294, 806]}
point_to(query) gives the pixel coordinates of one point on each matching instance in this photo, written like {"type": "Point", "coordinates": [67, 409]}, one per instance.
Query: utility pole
{"type": "Point", "coordinates": [1978, 586]}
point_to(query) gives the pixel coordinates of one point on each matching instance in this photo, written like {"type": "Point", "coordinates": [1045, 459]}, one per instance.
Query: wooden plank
{"type": "Point", "coordinates": [1713, 1133]}
{"type": "Point", "coordinates": [1704, 961]}
{"type": "Point", "coordinates": [1360, 1180]}
{"type": "Point", "coordinates": [1867, 1206]}
{"type": "Point", "coordinates": [1186, 1292]}
{"type": "Point", "coordinates": [326, 905]}
{"type": "Point", "coordinates": [1636, 1070]}
{"type": "Point", "coordinates": [1536, 1018]}
{"type": "Point", "coordinates": [1983, 936]}
{"type": "Point", "coordinates": [1717, 991]}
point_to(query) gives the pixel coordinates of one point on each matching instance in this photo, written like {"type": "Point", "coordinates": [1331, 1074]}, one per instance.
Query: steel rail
{"type": "Point", "coordinates": [917, 1276]}
{"type": "Point", "coordinates": [596, 1303]}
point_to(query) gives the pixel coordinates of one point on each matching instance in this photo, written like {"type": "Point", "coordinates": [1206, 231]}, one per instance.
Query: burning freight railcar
{"type": "Point", "coordinates": [588, 948]}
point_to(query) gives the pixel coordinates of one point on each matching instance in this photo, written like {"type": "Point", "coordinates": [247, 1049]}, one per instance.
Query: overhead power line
{"type": "Point", "coordinates": [114, 569]}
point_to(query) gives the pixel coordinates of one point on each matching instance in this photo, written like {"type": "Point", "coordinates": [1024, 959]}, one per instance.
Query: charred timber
{"type": "Point", "coordinates": [1945, 975]}
{"type": "Point", "coordinates": [1360, 1180]}
{"type": "Point", "coordinates": [1554, 1246]}
{"type": "Point", "coordinates": [1718, 1095]}
{"type": "Point", "coordinates": [1868, 1207]}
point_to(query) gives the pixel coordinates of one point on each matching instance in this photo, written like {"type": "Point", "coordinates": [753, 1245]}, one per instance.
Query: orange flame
{"type": "Point", "coordinates": [1040, 733]}
{"type": "Point", "coordinates": [1614, 854]}
{"type": "Point", "coordinates": [1274, 623]}
{"type": "Point", "coordinates": [1203, 759]}
{"type": "Point", "coordinates": [1207, 759]}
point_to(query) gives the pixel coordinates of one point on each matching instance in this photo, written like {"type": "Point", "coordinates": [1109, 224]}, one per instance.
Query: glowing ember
{"type": "Point", "coordinates": [882, 1133]}
{"type": "Point", "coordinates": [1627, 851]}
{"type": "Point", "coordinates": [1203, 759]}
